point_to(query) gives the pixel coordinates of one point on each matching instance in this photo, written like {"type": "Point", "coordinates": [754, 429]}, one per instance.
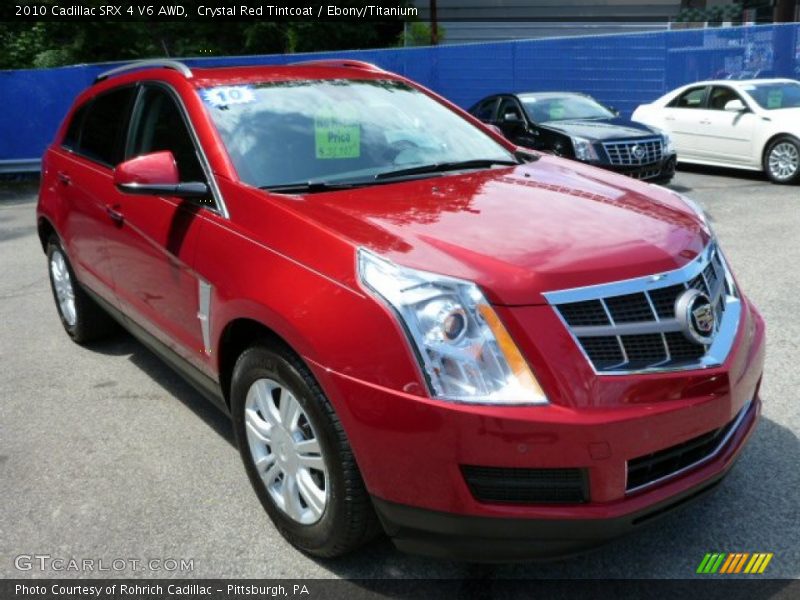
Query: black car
{"type": "Point", "coordinates": [577, 126]}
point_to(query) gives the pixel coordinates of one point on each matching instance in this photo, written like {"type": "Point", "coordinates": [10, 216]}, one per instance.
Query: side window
{"type": "Point", "coordinates": [159, 126]}
{"type": "Point", "coordinates": [485, 110]}
{"type": "Point", "coordinates": [692, 98]}
{"type": "Point", "coordinates": [73, 134]}
{"type": "Point", "coordinates": [509, 110]}
{"type": "Point", "coordinates": [104, 126]}
{"type": "Point", "coordinates": [720, 96]}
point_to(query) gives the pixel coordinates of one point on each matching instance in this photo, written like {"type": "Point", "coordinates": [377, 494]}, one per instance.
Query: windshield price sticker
{"type": "Point", "coordinates": [227, 95]}
{"type": "Point", "coordinates": [775, 99]}
{"type": "Point", "coordinates": [336, 136]}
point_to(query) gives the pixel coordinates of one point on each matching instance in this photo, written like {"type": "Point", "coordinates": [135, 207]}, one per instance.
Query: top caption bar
{"type": "Point", "coordinates": [342, 10]}
{"type": "Point", "coordinates": [197, 11]}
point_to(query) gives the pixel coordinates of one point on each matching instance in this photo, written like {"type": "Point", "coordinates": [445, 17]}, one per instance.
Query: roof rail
{"type": "Point", "coordinates": [338, 62]}
{"type": "Point", "coordinates": [146, 64]}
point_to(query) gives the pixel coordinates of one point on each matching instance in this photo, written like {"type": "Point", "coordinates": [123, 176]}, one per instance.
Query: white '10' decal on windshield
{"type": "Point", "coordinates": [227, 95]}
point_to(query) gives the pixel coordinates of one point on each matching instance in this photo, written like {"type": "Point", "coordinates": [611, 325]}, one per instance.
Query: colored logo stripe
{"type": "Point", "coordinates": [734, 562]}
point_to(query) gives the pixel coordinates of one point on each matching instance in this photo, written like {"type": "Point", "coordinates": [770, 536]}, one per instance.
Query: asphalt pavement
{"type": "Point", "coordinates": [106, 454]}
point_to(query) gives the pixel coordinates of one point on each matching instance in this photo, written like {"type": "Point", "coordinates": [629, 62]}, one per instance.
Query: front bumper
{"type": "Point", "coordinates": [660, 171]}
{"type": "Point", "coordinates": [489, 539]}
{"type": "Point", "coordinates": [411, 450]}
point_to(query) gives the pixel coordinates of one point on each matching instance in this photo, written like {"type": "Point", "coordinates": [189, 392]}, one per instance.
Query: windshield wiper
{"type": "Point", "coordinates": [310, 187]}
{"type": "Point", "coordinates": [445, 166]}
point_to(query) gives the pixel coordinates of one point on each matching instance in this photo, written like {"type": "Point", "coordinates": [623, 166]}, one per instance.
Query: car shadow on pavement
{"type": "Point", "coordinates": [124, 344]}
{"type": "Point", "coordinates": [742, 174]}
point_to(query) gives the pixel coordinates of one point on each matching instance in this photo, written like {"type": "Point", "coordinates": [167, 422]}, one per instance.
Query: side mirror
{"type": "Point", "coordinates": [155, 174]}
{"type": "Point", "coordinates": [735, 106]}
{"type": "Point", "coordinates": [495, 128]}
{"type": "Point", "coordinates": [512, 117]}
{"type": "Point", "coordinates": [614, 110]}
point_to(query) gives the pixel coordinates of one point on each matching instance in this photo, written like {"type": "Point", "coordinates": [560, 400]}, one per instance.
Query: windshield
{"type": "Point", "coordinates": [775, 95]}
{"type": "Point", "coordinates": [282, 133]}
{"type": "Point", "coordinates": [560, 108]}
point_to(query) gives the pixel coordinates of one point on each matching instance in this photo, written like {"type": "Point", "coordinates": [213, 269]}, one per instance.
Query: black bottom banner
{"type": "Point", "coordinates": [357, 589]}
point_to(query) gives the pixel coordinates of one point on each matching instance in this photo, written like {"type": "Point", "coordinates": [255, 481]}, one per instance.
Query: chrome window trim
{"type": "Point", "coordinates": [709, 457]}
{"type": "Point", "coordinates": [715, 355]}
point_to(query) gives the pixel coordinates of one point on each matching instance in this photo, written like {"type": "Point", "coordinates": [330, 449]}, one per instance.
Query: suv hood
{"type": "Point", "coordinates": [601, 129]}
{"type": "Point", "coordinates": [518, 231]}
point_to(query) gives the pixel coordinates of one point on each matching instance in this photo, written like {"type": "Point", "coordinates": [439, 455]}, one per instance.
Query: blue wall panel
{"type": "Point", "coordinates": [619, 70]}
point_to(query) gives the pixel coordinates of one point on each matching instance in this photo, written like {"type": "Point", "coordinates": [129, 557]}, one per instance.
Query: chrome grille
{"type": "Point", "coordinates": [632, 325]}
{"type": "Point", "coordinates": [634, 152]}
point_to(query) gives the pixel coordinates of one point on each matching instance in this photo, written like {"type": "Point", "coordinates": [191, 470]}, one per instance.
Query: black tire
{"type": "Point", "coordinates": [91, 322]}
{"type": "Point", "coordinates": [793, 177]}
{"type": "Point", "coordinates": [348, 520]}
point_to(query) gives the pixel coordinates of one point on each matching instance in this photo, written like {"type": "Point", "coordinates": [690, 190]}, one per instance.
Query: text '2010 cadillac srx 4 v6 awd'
{"type": "Point", "coordinates": [415, 326]}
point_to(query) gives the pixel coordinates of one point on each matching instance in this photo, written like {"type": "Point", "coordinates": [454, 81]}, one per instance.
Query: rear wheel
{"type": "Point", "coordinates": [782, 160]}
{"type": "Point", "coordinates": [82, 318]}
{"type": "Point", "coordinates": [297, 455]}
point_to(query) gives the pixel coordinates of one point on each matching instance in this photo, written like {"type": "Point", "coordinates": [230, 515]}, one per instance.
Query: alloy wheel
{"type": "Point", "coordinates": [286, 451]}
{"type": "Point", "coordinates": [784, 160]}
{"type": "Point", "coordinates": [62, 284]}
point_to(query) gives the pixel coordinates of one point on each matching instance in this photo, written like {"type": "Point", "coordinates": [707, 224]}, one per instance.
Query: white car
{"type": "Point", "coordinates": [752, 124]}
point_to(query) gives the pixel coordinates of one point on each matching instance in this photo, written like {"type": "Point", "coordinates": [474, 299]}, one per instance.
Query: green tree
{"type": "Point", "coordinates": [417, 33]}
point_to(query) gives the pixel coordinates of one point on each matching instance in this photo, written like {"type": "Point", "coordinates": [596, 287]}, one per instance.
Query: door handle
{"type": "Point", "coordinates": [669, 118]}
{"type": "Point", "coordinates": [705, 122]}
{"type": "Point", "coordinates": [114, 214]}
{"type": "Point", "coordinates": [63, 178]}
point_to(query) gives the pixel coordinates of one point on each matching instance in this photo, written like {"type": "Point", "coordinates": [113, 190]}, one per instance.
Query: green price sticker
{"type": "Point", "coordinates": [775, 99]}
{"type": "Point", "coordinates": [336, 136]}
{"type": "Point", "coordinates": [556, 112]}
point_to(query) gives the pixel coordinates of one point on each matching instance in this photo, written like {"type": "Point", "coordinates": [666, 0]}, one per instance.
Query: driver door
{"type": "Point", "coordinates": [154, 249]}
{"type": "Point", "coordinates": [684, 119]}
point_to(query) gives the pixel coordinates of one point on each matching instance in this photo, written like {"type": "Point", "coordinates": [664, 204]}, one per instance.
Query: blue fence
{"type": "Point", "coordinates": [620, 70]}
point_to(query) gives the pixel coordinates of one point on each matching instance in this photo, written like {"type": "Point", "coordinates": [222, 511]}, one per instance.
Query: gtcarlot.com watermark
{"type": "Point", "coordinates": [71, 564]}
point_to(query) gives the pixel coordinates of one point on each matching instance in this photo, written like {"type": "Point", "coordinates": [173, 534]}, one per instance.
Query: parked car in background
{"type": "Point", "coordinates": [751, 124]}
{"type": "Point", "coordinates": [415, 326]}
{"type": "Point", "coordinates": [577, 126]}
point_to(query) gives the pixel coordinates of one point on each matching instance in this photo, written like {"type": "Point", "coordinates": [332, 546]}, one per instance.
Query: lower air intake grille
{"type": "Point", "coordinates": [650, 468]}
{"type": "Point", "coordinates": [527, 486]}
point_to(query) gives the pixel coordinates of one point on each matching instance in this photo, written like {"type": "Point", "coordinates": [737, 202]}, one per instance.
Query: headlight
{"type": "Point", "coordinates": [583, 149]}
{"type": "Point", "coordinates": [707, 220]}
{"type": "Point", "coordinates": [466, 353]}
{"type": "Point", "coordinates": [669, 147]}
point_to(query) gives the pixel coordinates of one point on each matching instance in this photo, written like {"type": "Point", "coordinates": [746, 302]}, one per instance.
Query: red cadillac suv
{"type": "Point", "coordinates": [415, 326]}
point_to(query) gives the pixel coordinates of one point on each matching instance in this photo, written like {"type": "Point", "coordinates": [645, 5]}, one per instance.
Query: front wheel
{"type": "Point", "coordinates": [782, 160]}
{"type": "Point", "coordinates": [296, 454]}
